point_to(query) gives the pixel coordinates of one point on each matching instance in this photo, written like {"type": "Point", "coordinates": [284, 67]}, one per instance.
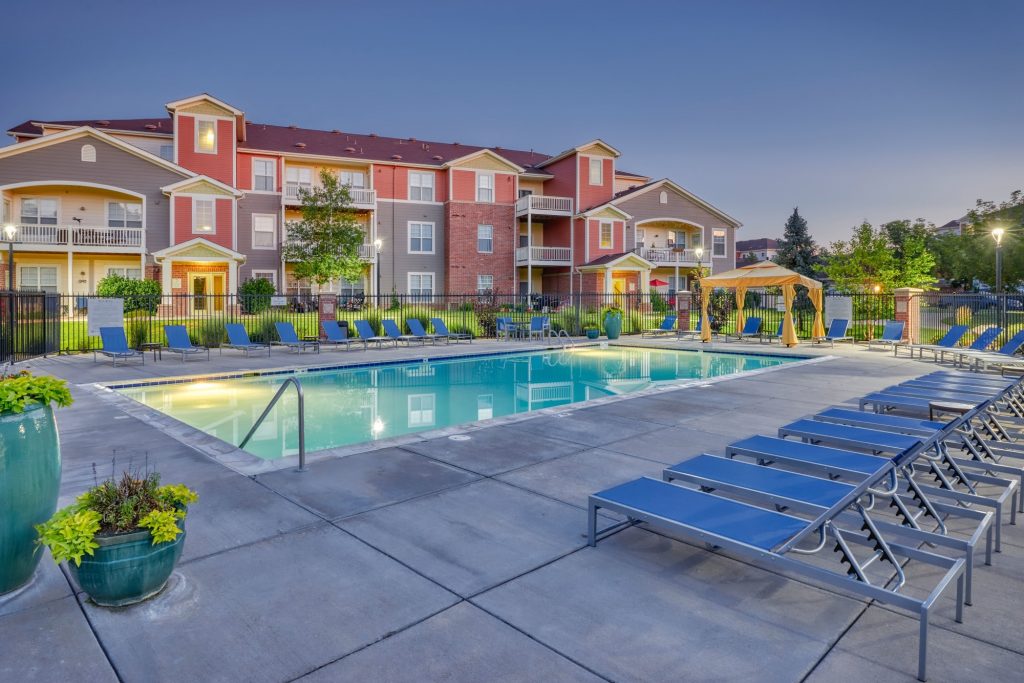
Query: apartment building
{"type": "Point", "coordinates": [200, 200]}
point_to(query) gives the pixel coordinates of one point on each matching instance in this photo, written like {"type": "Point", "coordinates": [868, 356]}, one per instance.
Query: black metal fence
{"type": "Point", "coordinates": [29, 325]}
{"type": "Point", "coordinates": [978, 311]}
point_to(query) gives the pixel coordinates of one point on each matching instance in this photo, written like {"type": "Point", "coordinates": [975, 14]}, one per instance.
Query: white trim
{"type": "Point", "coordinates": [600, 234]}
{"type": "Point", "coordinates": [39, 198]}
{"type": "Point", "coordinates": [476, 190]}
{"type": "Point", "coordinates": [195, 130]}
{"type": "Point", "coordinates": [433, 186]}
{"type": "Point", "coordinates": [725, 243]}
{"type": "Point", "coordinates": [686, 194]}
{"type": "Point", "coordinates": [408, 238]}
{"type": "Point", "coordinates": [484, 225]}
{"type": "Point", "coordinates": [576, 150]}
{"type": "Point", "coordinates": [590, 170]}
{"type": "Point", "coordinates": [212, 198]}
{"type": "Point", "coordinates": [178, 104]}
{"type": "Point", "coordinates": [590, 213]}
{"type": "Point", "coordinates": [514, 167]}
{"type": "Point", "coordinates": [252, 228]}
{"type": "Point", "coordinates": [669, 220]}
{"type": "Point", "coordinates": [253, 274]}
{"type": "Point", "coordinates": [273, 178]}
{"type": "Point", "coordinates": [174, 187]}
{"type": "Point", "coordinates": [174, 251]}
{"type": "Point", "coordinates": [411, 201]}
{"type": "Point", "coordinates": [433, 282]}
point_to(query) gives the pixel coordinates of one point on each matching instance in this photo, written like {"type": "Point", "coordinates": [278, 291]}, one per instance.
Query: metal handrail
{"type": "Point", "coordinates": [568, 337]}
{"type": "Point", "coordinates": [302, 420]}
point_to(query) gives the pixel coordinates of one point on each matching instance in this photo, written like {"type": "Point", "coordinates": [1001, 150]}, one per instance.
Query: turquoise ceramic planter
{"type": "Point", "coordinates": [593, 334]}
{"type": "Point", "coordinates": [612, 326]}
{"type": "Point", "coordinates": [127, 568]}
{"type": "Point", "coordinates": [29, 485]}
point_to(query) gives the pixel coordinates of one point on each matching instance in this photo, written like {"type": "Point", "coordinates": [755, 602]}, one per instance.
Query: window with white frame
{"type": "Point", "coordinates": [264, 231]}
{"type": "Point", "coordinates": [421, 285]}
{"type": "Point", "coordinates": [130, 273]}
{"type": "Point", "coordinates": [641, 238]}
{"type": "Point", "coordinates": [421, 238]}
{"type": "Point", "coordinates": [421, 186]}
{"type": "Point", "coordinates": [37, 211]}
{"type": "Point", "coordinates": [204, 216]}
{"type": "Point", "coordinates": [167, 152]}
{"type": "Point", "coordinates": [606, 235]}
{"type": "Point", "coordinates": [485, 239]}
{"type": "Point", "coordinates": [263, 175]}
{"type": "Point", "coordinates": [484, 406]}
{"type": "Point", "coordinates": [484, 187]}
{"type": "Point", "coordinates": [596, 171]}
{"type": "Point", "coordinates": [718, 243]}
{"type": "Point", "coordinates": [5, 215]}
{"type": "Point", "coordinates": [356, 179]}
{"type": "Point", "coordinates": [38, 279]}
{"type": "Point", "coordinates": [421, 410]}
{"type": "Point", "coordinates": [206, 136]}
{"type": "Point", "coordinates": [350, 288]}
{"type": "Point", "coordinates": [484, 284]}
{"type": "Point", "coordinates": [297, 178]}
{"type": "Point", "coordinates": [676, 284]}
{"type": "Point", "coordinates": [124, 215]}
{"type": "Point", "coordinates": [268, 275]}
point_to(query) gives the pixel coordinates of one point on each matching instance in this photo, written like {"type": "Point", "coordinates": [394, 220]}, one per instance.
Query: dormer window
{"type": "Point", "coordinates": [206, 136]}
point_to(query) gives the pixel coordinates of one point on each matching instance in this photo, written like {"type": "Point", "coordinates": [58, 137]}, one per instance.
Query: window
{"type": "Point", "coordinates": [124, 215]}
{"type": "Point", "coordinates": [354, 179]}
{"type": "Point", "coordinates": [485, 239]}
{"type": "Point", "coordinates": [264, 231]}
{"type": "Point", "coordinates": [641, 237]}
{"type": "Point", "coordinates": [204, 216]}
{"type": "Point", "coordinates": [263, 175]}
{"type": "Point", "coordinates": [485, 406]}
{"type": "Point", "coordinates": [718, 243]}
{"type": "Point", "coordinates": [206, 136]}
{"type": "Point", "coordinates": [130, 273]}
{"type": "Point", "coordinates": [39, 211]}
{"type": "Point", "coordinates": [663, 197]}
{"type": "Point", "coordinates": [421, 285]}
{"type": "Point", "coordinates": [484, 284]}
{"type": "Point", "coordinates": [676, 284]}
{"type": "Point", "coordinates": [421, 410]}
{"type": "Point", "coordinates": [269, 275]}
{"type": "Point", "coordinates": [606, 235]}
{"type": "Point", "coordinates": [89, 153]}
{"type": "Point", "coordinates": [421, 238]}
{"type": "Point", "coordinates": [297, 179]}
{"type": "Point", "coordinates": [167, 152]}
{"type": "Point", "coordinates": [5, 215]}
{"type": "Point", "coordinates": [525, 193]}
{"type": "Point", "coordinates": [350, 288]}
{"type": "Point", "coordinates": [596, 171]}
{"type": "Point", "coordinates": [421, 186]}
{"type": "Point", "coordinates": [38, 279]}
{"type": "Point", "coordinates": [484, 187]}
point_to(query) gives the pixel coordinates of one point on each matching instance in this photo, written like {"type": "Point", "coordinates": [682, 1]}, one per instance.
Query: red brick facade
{"type": "Point", "coordinates": [464, 260]}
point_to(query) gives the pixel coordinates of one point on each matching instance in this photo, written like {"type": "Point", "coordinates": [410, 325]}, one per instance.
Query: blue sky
{"type": "Point", "coordinates": [851, 110]}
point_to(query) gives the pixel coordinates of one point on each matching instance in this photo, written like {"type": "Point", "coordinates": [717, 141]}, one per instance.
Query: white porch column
{"type": "Point", "coordinates": [165, 274]}
{"type": "Point", "coordinates": [645, 281]}
{"type": "Point", "coordinates": [71, 273]}
{"type": "Point", "coordinates": [607, 281]}
{"type": "Point", "coordinates": [232, 277]}
{"type": "Point", "coordinates": [529, 249]}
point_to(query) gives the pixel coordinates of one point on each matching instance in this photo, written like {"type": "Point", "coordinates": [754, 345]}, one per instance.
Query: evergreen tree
{"type": "Point", "coordinates": [797, 250]}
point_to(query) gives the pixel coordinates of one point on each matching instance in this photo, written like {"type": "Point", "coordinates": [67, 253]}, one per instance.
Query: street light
{"type": "Point", "coordinates": [377, 244]}
{"type": "Point", "coordinates": [997, 235]}
{"type": "Point", "coordinates": [10, 232]}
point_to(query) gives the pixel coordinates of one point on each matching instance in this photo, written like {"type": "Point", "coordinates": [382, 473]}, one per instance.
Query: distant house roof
{"type": "Point", "coordinates": [759, 244]}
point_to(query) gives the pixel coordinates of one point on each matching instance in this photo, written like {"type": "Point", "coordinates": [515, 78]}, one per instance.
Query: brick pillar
{"type": "Point", "coordinates": [328, 307]}
{"type": "Point", "coordinates": [683, 302]}
{"type": "Point", "coordinates": [908, 311]}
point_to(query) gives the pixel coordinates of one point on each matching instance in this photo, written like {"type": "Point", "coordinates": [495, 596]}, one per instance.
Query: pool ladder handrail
{"type": "Point", "coordinates": [302, 419]}
{"type": "Point", "coordinates": [563, 333]}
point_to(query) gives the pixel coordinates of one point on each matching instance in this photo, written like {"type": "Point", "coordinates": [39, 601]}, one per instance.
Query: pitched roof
{"type": "Point", "coordinates": [152, 126]}
{"type": "Point", "coordinates": [759, 243]}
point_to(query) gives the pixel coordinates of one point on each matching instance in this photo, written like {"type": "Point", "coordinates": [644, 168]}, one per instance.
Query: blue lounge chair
{"type": "Point", "coordinates": [416, 329]}
{"type": "Point", "coordinates": [335, 335]}
{"type": "Point", "coordinates": [441, 331]}
{"type": "Point", "coordinates": [238, 339]}
{"type": "Point", "coordinates": [836, 332]}
{"type": "Point", "coordinates": [892, 335]}
{"type": "Point", "coordinates": [767, 336]}
{"type": "Point", "coordinates": [540, 326]}
{"type": "Point", "coordinates": [948, 341]}
{"type": "Point", "coordinates": [696, 331]}
{"type": "Point", "coordinates": [178, 342]}
{"type": "Point", "coordinates": [1004, 356]}
{"type": "Point", "coordinates": [980, 343]}
{"type": "Point", "coordinates": [286, 336]}
{"type": "Point", "coordinates": [392, 332]}
{"type": "Point", "coordinates": [115, 346]}
{"type": "Point", "coordinates": [368, 336]}
{"type": "Point", "coordinates": [751, 328]}
{"type": "Point", "coordinates": [667, 326]}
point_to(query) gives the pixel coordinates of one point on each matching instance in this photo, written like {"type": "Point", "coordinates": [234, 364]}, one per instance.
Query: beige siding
{"type": "Point", "coordinates": [485, 163]}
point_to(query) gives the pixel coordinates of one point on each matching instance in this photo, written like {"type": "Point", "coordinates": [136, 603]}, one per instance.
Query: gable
{"type": "Point", "coordinates": [598, 149]}
{"type": "Point", "coordinates": [201, 187]}
{"type": "Point", "coordinates": [205, 108]}
{"type": "Point", "coordinates": [680, 205]}
{"type": "Point", "coordinates": [485, 160]}
{"type": "Point", "coordinates": [607, 212]}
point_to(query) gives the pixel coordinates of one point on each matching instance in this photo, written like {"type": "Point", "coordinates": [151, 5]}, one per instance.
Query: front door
{"type": "Point", "coordinates": [207, 290]}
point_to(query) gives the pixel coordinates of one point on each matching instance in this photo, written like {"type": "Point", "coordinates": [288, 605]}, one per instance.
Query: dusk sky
{"type": "Point", "coordinates": [853, 111]}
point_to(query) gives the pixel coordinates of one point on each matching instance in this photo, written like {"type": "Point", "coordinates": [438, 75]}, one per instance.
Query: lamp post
{"type": "Point", "coordinates": [997, 235]}
{"type": "Point", "coordinates": [377, 245]}
{"type": "Point", "coordinates": [699, 253]}
{"type": "Point", "coordinates": [10, 232]}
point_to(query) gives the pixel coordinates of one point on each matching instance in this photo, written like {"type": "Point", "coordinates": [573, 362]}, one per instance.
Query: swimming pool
{"type": "Point", "coordinates": [350, 405]}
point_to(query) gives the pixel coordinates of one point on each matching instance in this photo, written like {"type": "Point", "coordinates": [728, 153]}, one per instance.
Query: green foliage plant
{"type": "Point", "coordinates": [23, 389]}
{"type": "Point", "coordinates": [255, 294]}
{"type": "Point", "coordinates": [138, 295]}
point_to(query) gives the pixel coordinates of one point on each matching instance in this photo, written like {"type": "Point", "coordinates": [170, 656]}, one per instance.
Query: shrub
{"type": "Point", "coordinates": [255, 295]}
{"type": "Point", "coordinates": [265, 332]}
{"type": "Point", "coordinates": [211, 333]}
{"type": "Point", "coordinates": [658, 303]}
{"type": "Point", "coordinates": [22, 390]}
{"type": "Point", "coordinates": [963, 315]}
{"type": "Point", "coordinates": [138, 295]}
{"type": "Point", "coordinates": [138, 330]}
{"type": "Point", "coordinates": [636, 323]}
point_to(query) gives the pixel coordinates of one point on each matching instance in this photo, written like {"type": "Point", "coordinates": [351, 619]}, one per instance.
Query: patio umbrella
{"type": "Point", "coordinates": [658, 283]}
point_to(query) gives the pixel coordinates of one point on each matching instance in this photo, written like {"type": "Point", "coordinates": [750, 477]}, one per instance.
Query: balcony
{"type": "Point", "coordinates": [543, 256]}
{"type": "Point", "coordinates": [63, 238]}
{"type": "Point", "coordinates": [362, 198]}
{"type": "Point", "coordinates": [667, 256]}
{"type": "Point", "coordinates": [544, 205]}
{"type": "Point", "coordinates": [367, 252]}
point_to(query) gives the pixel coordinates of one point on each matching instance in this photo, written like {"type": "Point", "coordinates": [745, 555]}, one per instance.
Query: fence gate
{"type": "Point", "coordinates": [29, 325]}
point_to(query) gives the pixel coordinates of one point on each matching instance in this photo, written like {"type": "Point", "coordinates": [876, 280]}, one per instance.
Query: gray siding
{"type": "Point", "coordinates": [258, 259]}
{"type": "Point", "coordinates": [395, 260]}
{"type": "Point", "coordinates": [62, 161]}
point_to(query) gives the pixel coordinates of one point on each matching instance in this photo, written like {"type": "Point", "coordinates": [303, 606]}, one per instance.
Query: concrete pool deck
{"type": "Point", "coordinates": [466, 561]}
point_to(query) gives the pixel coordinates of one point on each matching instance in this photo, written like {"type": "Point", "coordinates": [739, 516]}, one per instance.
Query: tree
{"type": "Point", "coordinates": [881, 259]}
{"type": "Point", "coordinates": [324, 245]}
{"type": "Point", "coordinates": [962, 259]}
{"type": "Point", "coordinates": [797, 250]}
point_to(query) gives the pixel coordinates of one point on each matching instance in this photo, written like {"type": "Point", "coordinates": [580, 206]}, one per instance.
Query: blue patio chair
{"type": "Point", "coordinates": [392, 332]}
{"type": "Point", "coordinates": [115, 346]}
{"type": "Point", "coordinates": [695, 332]}
{"type": "Point", "coordinates": [179, 343]}
{"type": "Point", "coordinates": [980, 343]}
{"type": "Point", "coordinates": [504, 327]}
{"type": "Point", "coordinates": [1004, 357]}
{"type": "Point", "coordinates": [368, 336]}
{"type": "Point", "coordinates": [540, 326]}
{"type": "Point", "coordinates": [286, 336]}
{"type": "Point", "coordinates": [751, 328]}
{"type": "Point", "coordinates": [441, 331]}
{"type": "Point", "coordinates": [416, 329]}
{"type": "Point", "coordinates": [667, 326]}
{"type": "Point", "coordinates": [948, 341]}
{"type": "Point", "coordinates": [238, 339]}
{"type": "Point", "coordinates": [892, 335]}
{"type": "Point", "coordinates": [836, 332]}
{"type": "Point", "coordinates": [777, 335]}
{"type": "Point", "coordinates": [337, 336]}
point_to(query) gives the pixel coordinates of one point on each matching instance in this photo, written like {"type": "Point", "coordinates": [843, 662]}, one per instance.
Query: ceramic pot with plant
{"type": "Point", "coordinates": [29, 469]}
{"type": "Point", "coordinates": [122, 538]}
{"type": "Point", "coordinates": [612, 320]}
{"type": "Point", "coordinates": [592, 331]}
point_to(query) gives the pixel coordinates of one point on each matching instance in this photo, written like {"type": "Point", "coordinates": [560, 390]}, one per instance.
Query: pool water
{"type": "Point", "coordinates": [347, 406]}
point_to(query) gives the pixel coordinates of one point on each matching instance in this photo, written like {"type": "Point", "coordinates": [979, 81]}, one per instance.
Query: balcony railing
{"type": "Point", "coordinates": [367, 252]}
{"type": "Point", "coordinates": [544, 255]}
{"type": "Point", "coordinates": [70, 236]}
{"type": "Point", "coordinates": [542, 204]}
{"type": "Point", "coordinates": [668, 255]}
{"type": "Point", "coordinates": [362, 198]}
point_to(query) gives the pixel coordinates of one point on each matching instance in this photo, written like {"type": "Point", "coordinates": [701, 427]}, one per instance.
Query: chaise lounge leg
{"type": "Point", "coordinates": [592, 526]}
{"type": "Point", "coordinates": [922, 643]}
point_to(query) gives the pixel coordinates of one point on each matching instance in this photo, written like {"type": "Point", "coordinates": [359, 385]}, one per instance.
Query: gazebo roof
{"type": "Point", "coordinates": [763, 274]}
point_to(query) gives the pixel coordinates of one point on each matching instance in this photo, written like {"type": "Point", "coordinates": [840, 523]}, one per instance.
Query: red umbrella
{"type": "Point", "coordinates": [658, 283]}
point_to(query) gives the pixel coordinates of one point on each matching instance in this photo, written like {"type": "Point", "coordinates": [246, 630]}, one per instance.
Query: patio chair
{"type": "Point", "coordinates": [416, 329]}
{"type": "Point", "coordinates": [836, 332]}
{"type": "Point", "coordinates": [441, 331]}
{"type": "Point", "coordinates": [667, 326]}
{"type": "Point", "coordinates": [392, 332]}
{"type": "Point", "coordinates": [770, 336]}
{"type": "Point", "coordinates": [980, 343]}
{"type": "Point", "coordinates": [1004, 356]}
{"type": "Point", "coordinates": [751, 328]}
{"type": "Point", "coordinates": [695, 332]}
{"type": "Point", "coordinates": [504, 327]}
{"type": "Point", "coordinates": [337, 336]}
{"type": "Point", "coordinates": [368, 336]}
{"type": "Point", "coordinates": [286, 336]}
{"type": "Point", "coordinates": [115, 346]}
{"type": "Point", "coordinates": [892, 335]}
{"type": "Point", "coordinates": [540, 326]}
{"type": "Point", "coordinates": [238, 339]}
{"type": "Point", "coordinates": [178, 342]}
{"type": "Point", "coordinates": [948, 341]}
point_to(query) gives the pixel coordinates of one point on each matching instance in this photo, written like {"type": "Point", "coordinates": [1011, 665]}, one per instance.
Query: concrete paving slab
{"type": "Point", "coordinates": [495, 450]}
{"type": "Point", "coordinates": [51, 642]}
{"type": "Point", "coordinates": [641, 607]}
{"type": "Point", "coordinates": [583, 426]}
{"type": "Point", "coordinates": [271, 611]}
{"type": "Point", "coordinates": [462, 643]}
{"type": "Point", "coordinates": [473, 537]}
{"type": "Point", "coordinates": [356, 483]}
{"type": "Point", "coordinates": [671, 445]}
{"type": "Point", "coordinates": [46, 585]}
